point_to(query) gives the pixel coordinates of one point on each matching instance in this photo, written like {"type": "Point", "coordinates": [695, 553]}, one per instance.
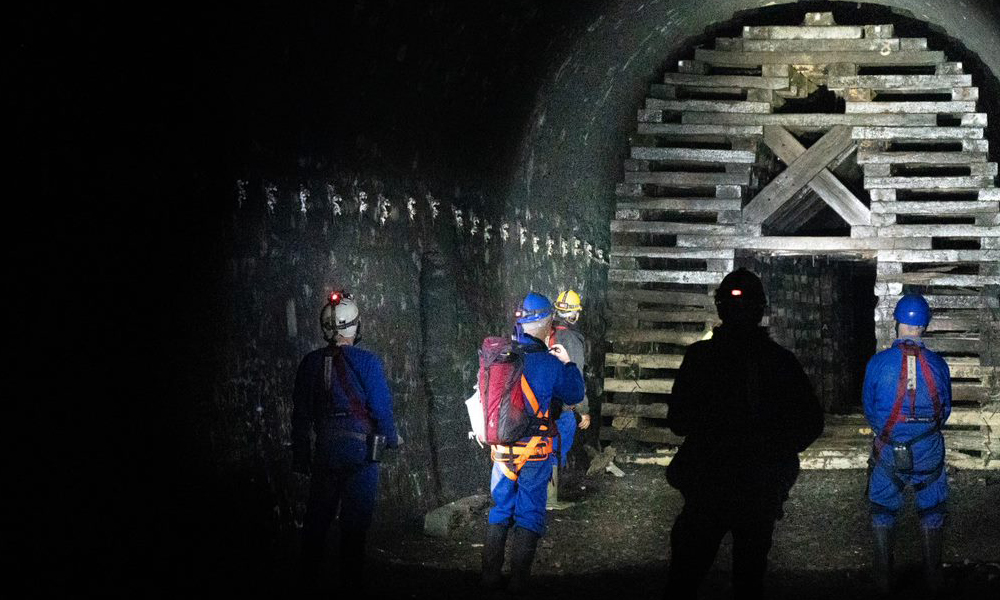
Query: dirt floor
{"type": "Point", "coordinates": [614, 539]}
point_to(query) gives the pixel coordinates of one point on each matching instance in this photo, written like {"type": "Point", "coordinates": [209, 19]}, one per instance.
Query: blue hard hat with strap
{"type": "Point", "coordinates": [534, 307]}
{"type": "Point", "coordinates": [912, 309]}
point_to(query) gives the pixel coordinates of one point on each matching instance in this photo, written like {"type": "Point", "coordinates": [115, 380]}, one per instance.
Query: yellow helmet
{"type": "Point", "coordinates": [568, 302]}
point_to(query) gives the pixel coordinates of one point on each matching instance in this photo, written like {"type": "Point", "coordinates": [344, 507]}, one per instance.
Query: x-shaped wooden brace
{"type": "Point", "coordinates": [807, 168]}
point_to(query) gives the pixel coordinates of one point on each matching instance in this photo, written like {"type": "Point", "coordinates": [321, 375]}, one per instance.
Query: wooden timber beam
{"type": "Point", "coordinates": [694, 155]}
{"type": "Point", "coordinates": [674, 252]}
{"type": "Point", "coordinates": [736, 81]}
{"type": "Point", "coordinates": [677, 129]}
{"type": "Point", "coordinates": [866, 59]}
{"type": "Point", "coordinates": [807, 168]}
{"type": "Point", "coordinates": [825, 184]}
{"type": "Point", "coordinates": [663, 336]}
{"type": "Point", "coordinates": [656, 410]}
{"type": "Point", "coordinates": [669, 316]}
{"type": "Point", "coordinates": [804, 206]}
{"type": "Point", "coordinates": [804, 32]}
{"type": "Point", "coordinates": [827, 45]}
{"type": "Point", "coordinates": [807, 244]}
{"type": "Point", "coordinates": [652, 361]}
{"type": "Point", "coordinates": [908, 108]}
{"type": "Point", "coordinates": [639, 386]}
{"type": "Point", "coordinates": [810, 121]}
{"type": "Point", "coordinates": [631, 296]}
{"type": "Point", "coordinates": [658, 276]}
{"type": "Point", "coordinates": [899, 83]}
{"type": "Point", "coordinates": [690, 205]}
{"type": "Point", "coordinates": [915, 133]}
{"type": "Point", "coordinates": [803, 166]}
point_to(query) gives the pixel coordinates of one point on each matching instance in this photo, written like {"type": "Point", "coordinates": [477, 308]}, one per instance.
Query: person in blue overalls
{"type": "Point", "coordinates": [564, 332]}
{"type": "Point", "coordinates": [519, 493]}
{"type": "Point", "coordinates": [342, 396]}
{"type": "Point", "coordinates": [907, 399]}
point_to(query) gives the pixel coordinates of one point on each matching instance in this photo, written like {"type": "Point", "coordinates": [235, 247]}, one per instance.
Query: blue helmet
{"type": "Point", "coordinates": [912, 309]}
{"type": "Point", "coordinates": [534, 307]}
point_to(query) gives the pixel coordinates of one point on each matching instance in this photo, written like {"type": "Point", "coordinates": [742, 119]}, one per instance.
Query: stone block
{"type": "Point", "coordinates": [443, 521]}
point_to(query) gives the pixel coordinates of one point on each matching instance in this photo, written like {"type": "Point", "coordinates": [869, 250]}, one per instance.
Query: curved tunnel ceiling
{"type": "Point", "coordinates": [571, 155]}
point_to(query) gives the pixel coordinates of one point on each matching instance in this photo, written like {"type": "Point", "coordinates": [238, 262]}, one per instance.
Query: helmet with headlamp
{"type": "Point", "coordinates": [340, 316]}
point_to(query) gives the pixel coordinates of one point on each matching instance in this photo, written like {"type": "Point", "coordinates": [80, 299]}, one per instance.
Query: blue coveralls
{"type": "Point", "coordinates": [572, 340]}
{"type": "Point", "coordinates": [522, 502]}
{"type": "Point", "coordinates": [340, 473]}
{"type": "Point", "coordinates": [566, 424]}
{"type": "Point", "coordinates": [928, 476]}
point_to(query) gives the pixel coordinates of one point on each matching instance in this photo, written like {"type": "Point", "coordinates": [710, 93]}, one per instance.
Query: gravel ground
{"type": "Point", "coordinates": [614, 540]}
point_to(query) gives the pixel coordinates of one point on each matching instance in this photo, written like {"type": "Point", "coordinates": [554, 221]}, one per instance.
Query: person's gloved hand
{"type": "Point", "coordinates": [584, 421]}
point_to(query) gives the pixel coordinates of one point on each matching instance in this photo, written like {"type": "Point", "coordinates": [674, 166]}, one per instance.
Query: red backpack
{"type": "Point", "coordinates": [500, 372]}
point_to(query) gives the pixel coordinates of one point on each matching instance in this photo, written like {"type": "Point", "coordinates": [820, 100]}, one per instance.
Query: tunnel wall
{"type": "Point", "coordinates": [427, 279]}
{"type": "Point", "coordinates": [424, 289]}
{"type": "Point", "coordinates": [394, 100]}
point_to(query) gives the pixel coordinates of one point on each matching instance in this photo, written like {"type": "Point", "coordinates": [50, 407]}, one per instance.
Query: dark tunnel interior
{"type": "Point", "coordinates": [197, 180]}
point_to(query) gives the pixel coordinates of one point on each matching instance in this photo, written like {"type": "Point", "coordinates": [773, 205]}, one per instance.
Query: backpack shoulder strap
{"type": "Point", "coordinates": [530, 395]}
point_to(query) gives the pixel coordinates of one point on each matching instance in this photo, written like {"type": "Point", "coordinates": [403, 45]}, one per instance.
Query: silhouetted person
{"type": "Point", "coordinates": [746, 410]}
{"type": "Point", "coordinates": [341, 395]}
{"type": "Point", "coordinates": [907, 399]}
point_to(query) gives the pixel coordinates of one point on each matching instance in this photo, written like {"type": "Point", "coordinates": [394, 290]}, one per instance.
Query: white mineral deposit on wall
{"type": "Point", "coordinates": [302, 197]}
{"type": "Point", "coordinates": [433, 204]}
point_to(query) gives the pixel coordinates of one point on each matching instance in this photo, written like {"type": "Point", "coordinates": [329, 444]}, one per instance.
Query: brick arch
{"type": "Point", "coordinates": [715, 163]}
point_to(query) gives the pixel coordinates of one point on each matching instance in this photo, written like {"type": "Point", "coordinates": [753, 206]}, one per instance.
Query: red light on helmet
{"type": "Point", "coordinates": [736, 292]}
{"type": "Point", "coordinates": [335, 298]}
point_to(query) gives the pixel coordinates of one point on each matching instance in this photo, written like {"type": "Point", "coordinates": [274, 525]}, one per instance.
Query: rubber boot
{"type": "Point", "coordinates": [882, 548]}
{"type": "Point", "coordinates": [930, 538]}
{"type": "Point", "coordinates": [493, 551]}
{"type": "Point", "coordinates": [522, 554]}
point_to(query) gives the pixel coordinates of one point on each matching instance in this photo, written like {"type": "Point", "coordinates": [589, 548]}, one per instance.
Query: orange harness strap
{"type": "Point", "coordinates": [535, 449]}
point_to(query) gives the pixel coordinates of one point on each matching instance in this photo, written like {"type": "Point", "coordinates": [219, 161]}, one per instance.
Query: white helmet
{"type": "Point", "coordinates": [340, 316]}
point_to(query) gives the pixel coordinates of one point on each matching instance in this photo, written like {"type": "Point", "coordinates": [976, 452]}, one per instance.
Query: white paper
{"type": "Point", "coordinates": [475, 408]}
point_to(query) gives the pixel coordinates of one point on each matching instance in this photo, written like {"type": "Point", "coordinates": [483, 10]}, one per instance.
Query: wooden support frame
{"type": "Point", "coordinates": [702, 127]}
{"type": "Point", "coordinates": [807, 168]}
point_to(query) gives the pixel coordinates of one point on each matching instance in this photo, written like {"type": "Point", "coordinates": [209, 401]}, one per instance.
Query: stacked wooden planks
{"type": "Point", "coordinates": [846, 443]}
{"type": "Point", "coordinates": [699, 186]}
